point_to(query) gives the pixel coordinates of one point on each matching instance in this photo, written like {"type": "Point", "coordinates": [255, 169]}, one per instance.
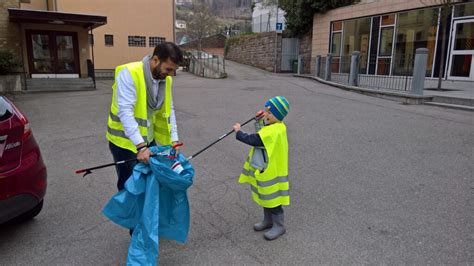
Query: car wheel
{"type": "Point", "coordinates": [29, 214]}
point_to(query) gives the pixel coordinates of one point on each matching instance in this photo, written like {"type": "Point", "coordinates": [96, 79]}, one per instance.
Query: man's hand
{"type": "Point", "coordinates": [143, 154]}
{"type": "Point", "coordinates": [236, 127]}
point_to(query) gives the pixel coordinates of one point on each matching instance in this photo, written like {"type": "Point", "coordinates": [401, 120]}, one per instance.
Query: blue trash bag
{"type": "Point", "coordinates": [155, 204]}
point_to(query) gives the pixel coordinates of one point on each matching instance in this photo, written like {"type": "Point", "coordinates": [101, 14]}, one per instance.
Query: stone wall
{"type": "Point", "coordinates": [305, 51]}
{"type": "Point", "coordinates": [256, 50]}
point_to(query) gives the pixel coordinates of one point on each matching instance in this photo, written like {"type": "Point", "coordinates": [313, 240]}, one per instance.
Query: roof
{"type": "Point", "coordinates": [58, 18]}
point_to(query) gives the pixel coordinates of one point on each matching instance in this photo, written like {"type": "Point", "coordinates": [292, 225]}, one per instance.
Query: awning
{"type": "Point", "coordinates": [56, 18]}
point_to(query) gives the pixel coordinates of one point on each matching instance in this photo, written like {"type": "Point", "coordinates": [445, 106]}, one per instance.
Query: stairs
{"type": "Point", "coordinates": [466, 104]}
{"type": "Point", "coordinates": [59, 84]}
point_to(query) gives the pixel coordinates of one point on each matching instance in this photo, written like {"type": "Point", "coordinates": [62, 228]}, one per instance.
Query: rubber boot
{"type": "Point", "coordinates": [266, 223]}
{"type": "Point", "coordinates": [278, 228]}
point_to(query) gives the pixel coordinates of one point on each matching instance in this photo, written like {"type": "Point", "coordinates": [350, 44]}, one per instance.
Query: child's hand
{"type": "Point", "coordinates": [236, 127]}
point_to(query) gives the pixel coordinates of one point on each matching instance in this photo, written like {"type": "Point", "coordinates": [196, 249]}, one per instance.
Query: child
{"type": "Point", "coordinates": [266, 168]}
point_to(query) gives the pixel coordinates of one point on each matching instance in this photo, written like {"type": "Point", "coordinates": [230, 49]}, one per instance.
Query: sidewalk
{"type": "Point", "coordinates": [455, 89]}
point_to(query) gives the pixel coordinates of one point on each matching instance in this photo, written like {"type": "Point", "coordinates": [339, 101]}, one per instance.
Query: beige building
{"type": "Point", "coordinates": [388, 32]}
{"type": "Point", "coordinates": [57, 38]}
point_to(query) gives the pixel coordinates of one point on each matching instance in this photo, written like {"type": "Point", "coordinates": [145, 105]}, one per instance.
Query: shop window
{"type": "Point", "coordinates": [464, 10]}
{"type": "Point", "coordinates": [336, 44]}
{"type": "Point", "coordinates": [356, 38]}
{"type": "Point", "coordinates": [464, 39]}
{"type": "Point", "coordinates": [137, 41]}
{"type": "Point", "coordinates": [388, 20]}
{"type": "Point", "coordinates": [386, 41]}
{"type": "Point", "coordinates": [415, 29]}
{"type": "Point", "coordinates": [337, 26]}
{"type": "Point", "coordinates": [109, 40]}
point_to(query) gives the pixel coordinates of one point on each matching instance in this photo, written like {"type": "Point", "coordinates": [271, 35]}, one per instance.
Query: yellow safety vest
{"type": "Point", "coordinates": [270, 188]}
{"type": "Point", "coordinates": [160, 120]}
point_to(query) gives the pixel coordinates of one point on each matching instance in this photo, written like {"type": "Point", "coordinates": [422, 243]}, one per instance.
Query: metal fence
{"type": "Point", "coordinates": [404, 72]}
{"type": "Point", "coordinates": [340, 68]}
{"type": "Point", "coordinates": [386, 77]}
{"type": "Point", "coordinates": [206, 65]}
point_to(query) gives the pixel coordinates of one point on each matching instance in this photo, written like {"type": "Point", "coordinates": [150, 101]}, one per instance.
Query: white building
{"type": "Point", "coordinates": [264, 19]}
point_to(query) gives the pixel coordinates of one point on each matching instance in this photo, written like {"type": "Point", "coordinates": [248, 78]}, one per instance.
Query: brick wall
{"type": "Point", "coordinates": [10, 38]}
{"type": "Point", "coordinates": [256, 50]}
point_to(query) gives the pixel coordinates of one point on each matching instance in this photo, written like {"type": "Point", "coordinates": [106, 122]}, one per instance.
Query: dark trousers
{"type": "Point", "coordinates": [125, 170]}
{"type": "Point", "coordinates": [276, 211]}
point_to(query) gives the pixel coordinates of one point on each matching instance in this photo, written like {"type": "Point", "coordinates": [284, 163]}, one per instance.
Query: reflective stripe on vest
{"type": "Point", "coordinates": [160, 119]}
{"type": "Point", "coordinates": [270, 188]}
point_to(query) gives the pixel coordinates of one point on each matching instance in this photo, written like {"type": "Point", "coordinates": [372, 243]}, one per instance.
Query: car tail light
{"type": "Point", "coordinates": [25, 122]}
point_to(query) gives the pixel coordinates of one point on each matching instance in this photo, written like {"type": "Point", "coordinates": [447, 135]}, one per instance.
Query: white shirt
{"type": "Point", "coordinates": [126, 99]}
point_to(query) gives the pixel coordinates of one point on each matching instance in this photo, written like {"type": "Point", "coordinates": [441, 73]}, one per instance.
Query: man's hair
{"type": "Point", "coordinates": [168, 50]}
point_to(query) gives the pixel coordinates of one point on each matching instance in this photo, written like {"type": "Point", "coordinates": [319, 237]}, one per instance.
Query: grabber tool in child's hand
{"type": "Point", "coordinates": [257, 116]}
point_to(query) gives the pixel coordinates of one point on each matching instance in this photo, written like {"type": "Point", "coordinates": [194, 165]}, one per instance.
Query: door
{"type": "Point", "coordinates": [461, 63]}
{"type": "Point", "coordinates": [289, 53]}
{"type": "Point", "coordinates": [53, 54]}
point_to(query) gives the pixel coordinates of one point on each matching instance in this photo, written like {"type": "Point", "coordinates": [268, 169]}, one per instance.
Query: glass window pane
{"type": "Point", "coordinates": [415, 29]}
{"type": "Point", "coordinates": [388, 20]}
{"type": "Point", "coordinates": [464, 36]}
{"type": "Point", "coordinates": [386, 42]}
{"type": "Point", "coordinates": [336, 26]}
{"type": "Point", "coordinates": [336, 44]}
{"type": "Point", "coordinates": [464, 10]}
{"type": "Point", "coordinates": [40, 44]}
{"type": "Point", "coordinates": [356, 38]}
{"type": "Point", "coordinates": [109, 40]}
{"type": "Point", "coordinates": [66, 60]}
{"type": "Point", "coordinates": [461, 65]}
{"type": "Point", "coordinates": [383, 66]}
{"type": "Point", "coordinates": [335, 64]}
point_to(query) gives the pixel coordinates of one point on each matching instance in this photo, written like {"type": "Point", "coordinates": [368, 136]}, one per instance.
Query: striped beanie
{"type": "Point", "coordinates": [278, 106]}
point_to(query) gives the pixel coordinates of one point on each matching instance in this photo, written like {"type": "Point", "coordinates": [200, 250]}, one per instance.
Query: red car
{"type": "Point", "coordinates": [22, 171]}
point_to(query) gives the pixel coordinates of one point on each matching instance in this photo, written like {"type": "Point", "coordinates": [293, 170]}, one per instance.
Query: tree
{"type": "Point", "coordinates": [299, 14]}
{"type": "Point", "coordinates": [201, 24]}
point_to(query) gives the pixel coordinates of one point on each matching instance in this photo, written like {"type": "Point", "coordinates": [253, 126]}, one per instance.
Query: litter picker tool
{"type": "Point", "coordinates": [88, 171]}
{"type": "Point", "coordinates": [257, 116]}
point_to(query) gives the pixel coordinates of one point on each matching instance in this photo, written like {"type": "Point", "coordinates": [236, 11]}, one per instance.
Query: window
{"type": "Point", "coordinates": [336, 37]}
{"type": "Point", "coordinates": [154, 41]}
{"type": "Point", "coordinates": [356, 38]}
{"type": "Point", "coordinates": [464, 10]}
{"type": "Point", "coordinates": [90, 38]}
{"type": "Point", "coordinates": [388, 20]}
{"type": "Point", "coordinates": [386, 41]}
{"type": "Point", "coordinates": [109, 40]}
{"type": "Point", "coordinates": [137, 41]}
{"type": "Point", "coordinates": [415, 29]}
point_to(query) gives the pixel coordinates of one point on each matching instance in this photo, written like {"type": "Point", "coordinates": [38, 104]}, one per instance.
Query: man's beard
{"type": "Point", "coordinates": [156, 73]}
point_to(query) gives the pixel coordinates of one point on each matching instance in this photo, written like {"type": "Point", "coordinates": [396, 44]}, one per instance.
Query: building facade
{"type": "Point", "coordinates": [57, 38]}
{"type": "Point", "coordinates": [387, 34]}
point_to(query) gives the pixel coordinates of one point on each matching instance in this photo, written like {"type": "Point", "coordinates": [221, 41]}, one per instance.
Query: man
{"type": "Point", "coordinates": [142, 112]}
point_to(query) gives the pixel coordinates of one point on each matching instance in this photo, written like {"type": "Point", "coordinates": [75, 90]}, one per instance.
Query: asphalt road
{"type": "Point", "coordinates": [372, 181]}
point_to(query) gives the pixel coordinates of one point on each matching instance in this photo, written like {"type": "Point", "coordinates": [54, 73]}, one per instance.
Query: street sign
{"type": "Point", "coordinates": [279, 27]}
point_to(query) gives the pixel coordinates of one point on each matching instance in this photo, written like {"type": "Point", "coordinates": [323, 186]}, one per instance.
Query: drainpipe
{"type": "Point", "coordinates": [92, 45]}
{"type": "Point", "coordinates": [174, 21]}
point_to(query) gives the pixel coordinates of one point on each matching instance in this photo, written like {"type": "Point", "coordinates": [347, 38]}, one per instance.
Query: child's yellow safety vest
{"type": "Point", "coordinates": [270, 188]}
